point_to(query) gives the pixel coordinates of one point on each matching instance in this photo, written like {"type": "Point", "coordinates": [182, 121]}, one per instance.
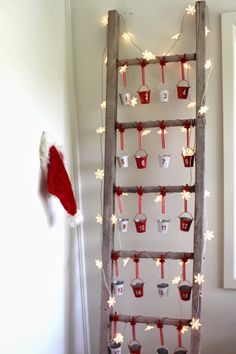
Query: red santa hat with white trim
{"type": "Point", "coordinates": [58, 181]}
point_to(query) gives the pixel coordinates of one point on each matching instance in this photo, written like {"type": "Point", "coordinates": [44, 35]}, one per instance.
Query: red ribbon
{"type": "Point", "coordinates": [183, 61]}
{"type": "Point", "coordinates": [139, 127]}
{"type": "Point", "coordinates": [121, 130]}
{"type": "Point", "coordinates": [143, 63]}
{"type": "Point", "coordinates": [179, 328]}
{"type": "Point", "coordinates": [133, 324]}
{"type": "Point", "coordinates": [162, 261]}
{"type": "Point", "coordinates": [160, 326]}
{"type": "Point", "coordinates": [115, 318]}
{"type": "Point", "coordinates": [163, 194]}
{"type": "Point", "coordinates": [140, 199]}
{"type": "Point", "coordinates": [136, 261]}
{"type": "Point", "coordinates": [163, 127]}
{"type": "Point", "coordinates": [119, 194]}
{"type": "Point", "coordinates": [115, 258]}
{"type": "Point", "coordinates": [124, 76]}
{"type": "Point", "coordinates": [187, 127]}
{"type": "Point", "coordinates": [184, 261]}
{"type": "Point", "coordinates": [163, 63]}
{"type": "Point", "coordinates": [186, 189]}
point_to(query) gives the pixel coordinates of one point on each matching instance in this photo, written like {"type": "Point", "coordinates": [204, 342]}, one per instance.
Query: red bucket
{"type": "Point", "coordinates": [138, 287]}
{"type": "Point", "coordinates": [188, 160]}
{"type": "Point", "coordinates": [185, 222]}
{"type": "Point", "coordinates": [185, 289]}
{"type": "Point", "coordinates": [134, 347]}
{"type": "Point", "coordinates": [141, 159]}
{"type": "Point", "coordinates": [182, 89]}
{"type": "Point", "coordinates": [144, 95]}
{"type": "Point", "coordinates": [140, 221]}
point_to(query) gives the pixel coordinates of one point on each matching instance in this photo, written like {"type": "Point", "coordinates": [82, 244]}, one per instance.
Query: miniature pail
{"type": "Point", "coordinates": [134, 347]}
{"type": "Point", "coordinates": [144, 95]}
{"type": "Point", "coordinates": [125, 98]}
{"type": "Point", "coordinates": [123, 224]}
{"type": "Point", "coordinates": [163, 289]}
{"type": "Point", "coordinates": [140, 221]}
{"type": "Point", "coordinates": [164, 161]}
{"type": "Point", "coordinates": [123, 161]}
{"type": "Point", "coordinates": [188, 160]}
{"type": "Point", "coordinates": [182, 89]}
{"type": "Point", "coordinates": [185, 289]}
{"type": "Point", "coordinates": [138, 287]}
{"type": "Point", "coordinates": [185, 222]}
{"type": "Point", "coordinates": [118, 287]}
{"type": "Point", "coordinates": [115, 348]}
{"type": "Point", "coordinates": [141, 159]}
{"type": "Point", "coordinates": [162, 350]}
{"type": "Point", "coordinates": [163, 225]}
{"type": "Point", "coordinates": [180, 350]}
{"type": "Point", "coordinates": [164, 95]}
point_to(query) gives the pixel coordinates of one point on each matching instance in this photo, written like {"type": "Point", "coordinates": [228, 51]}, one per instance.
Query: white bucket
{"type": "Point", "coordinates": [123, 224]}
{"type": "Point", "coordinates": [118, 287]}
{"type": "Point", "coordinates": [115, 348]}
{"type": "Point", "coordinates": [164, 161]}
{"type": "Point", "coordinates": [163, 225]}
{"type": "Point", "coordinates": [163, 289]}
{"type": "Point", "coordinates": [125, 98]}
{"type": "Point", "coordinates": [164, 95]}
{"type": "Point", "coordinates": [123, 161]}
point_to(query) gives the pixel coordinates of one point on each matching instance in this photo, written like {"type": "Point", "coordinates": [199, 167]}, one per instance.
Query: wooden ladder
{"type": "Point", "coordinates": [113, 64]}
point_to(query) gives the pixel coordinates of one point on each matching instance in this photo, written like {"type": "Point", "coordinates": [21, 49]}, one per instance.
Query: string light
{"type": "Point", "coordinates": [133, 101]}
{"type": "Point", "coordinates": [111, 302]}
{"type": "Point", "coordinates": [103, 105]}
{"type": "Point", "coordinates": [125, 194]}
{"type": "Point", "coordinates": [98, 263]}
{"type": "Point", "coordinates": [100, 130]}
{"type": "Point", "coordinates": [199, 278]}
{"type": "Point", "coordinates": [186, 195]}
{"type": "Point", "coordinates": [209, 235]}
{"type": "Point", "coordinates": [184, 329]}
{"type": "Point", "coordinates": [105, 20]}
{"type": "Point", "coordinates": [176, 36]}
{"type": "Point", "coordinates": [146, 132]}
{"type": "Point", "coordinates": [160, 131]}
{"type": "Point", "coordinates": [208, 64]}
{"type": "Point", "coordinates": [187, 66]}
{"type": "Point", "coordinates": [190, 10]}
{"type": "Point", "coordinates": [187, 151]}
{"type": "Point", "coordinates": [127, 36]}
{"type": "Point", "coordinates": [207, 194]}
{"type": "Point", "coordinates": [99, 174]}
{"type": "Point", "coordinates": [119, 338]}
{"type": "Point", "coordinates": [99, 219]}
{"type": "Point", "coordinates": [125, 261]}
{"type": "Point", "coordinates": [181, 262]}
{"type": "Point", "coordinates": [147, 55]}
{"type": "Point", "coordinates": [203, 110]}
{"type": "Point", "coordinates": [176, 279]}
{"type": "Point", "coordinates": [105, 60]}
{"type": "Point", "coordinates": [158, 261]}
{"type": "Point", "coordinates": [114, 219]}
{"type": "Point", "coordinates": [207, 31]}
{"type": "Point", "coordinates": [191, 105]}
{"type": "Point", "coordinates": [148, 328]}
{"type": "Point", "coordinates": [123, 68]}
{"type": "Point", "coordinates": [158, 199]}
{"type": "Point", "coordinates": [195, 323]}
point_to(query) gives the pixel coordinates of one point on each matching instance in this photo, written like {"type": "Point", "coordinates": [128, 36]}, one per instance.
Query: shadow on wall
{"type": "Point", "coordinates": [46, 199]}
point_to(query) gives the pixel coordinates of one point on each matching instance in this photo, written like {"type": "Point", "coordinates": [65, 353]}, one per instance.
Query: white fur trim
{"type": "Point", "coordinates": [76, 219]}
{"type": "Point", "coordinates": [46, 142]}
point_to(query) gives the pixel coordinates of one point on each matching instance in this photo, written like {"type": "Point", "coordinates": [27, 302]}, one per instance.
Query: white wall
{"type": "Point", "coordinates": [153, 23]}
{"type": "Point", "coordinates": [38, 267]}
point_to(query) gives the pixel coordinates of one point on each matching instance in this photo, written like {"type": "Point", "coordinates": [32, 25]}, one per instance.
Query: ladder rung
{"type": "Point", "coordinates": [152, 320]}
{"type": "Point", "coordinates": [168, 59]}
{"type": "Point", "coordinates": [155, 189]}
{"type": "Point", "coordinates": [153, 254]}
{"type": "Point", "coordinates": [157, 123]}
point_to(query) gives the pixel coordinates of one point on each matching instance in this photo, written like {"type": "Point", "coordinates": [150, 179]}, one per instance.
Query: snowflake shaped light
{"type": "Point", "coordinates": [125, 194]}
{"type": "Point", "coordinates": [111, 302]}
{"type": "Point", "coordinates": [98, 263]}
{"type": "Point", "coordinates": [147, 55]}
{"type": "Point", "coordinates": [158, 199]}
{"type": "Point", "coordinates": [186, 195]}
{"type": "Point", "coordinates": [99, 174]}
{"type": "Point", "coordinates": [187, 66]}
{"type": "Point", "coordinates": [114, 219]}
{"type": "Point", "coordinates": [208, 64]}
{"type": "Point", "coordinates": [207, 194]}
{"type": "Point", "coordinates": [191, 105]}
{"type": "Point", "coordinates": [176, 36]}
{"type": "Point", "coordinates": [160, 131]}
{"type": "Point", "coordinates": [207, 31]}
{"type": "Point", "coordinates": [203, 109]}
{"type": "Point", "coordinates": [103, 105]}
{"type": "Point", "coordinates": [133, 101]}
{"type": "Point", "coordinates": [209, 235]}
{"type": "Point", "coordinates": [181, 262]}
{"type": "Point", "coordinates": [100, 130]}
{"type": "Point", "coordinates": [148, 328]}
{"type": "Point", "coordinates": [199, 278]}
{"type": "Point", "coordinates": [190, 10]}
{"type": "Point", "coordinates": [125, 261]}
{"type": "Point", "coordinates": [127, 36]}
{"type": "Point", "coordinates": [184, 329]}
{"type": "Point", "coordinates": [158, 261]}
{"type": "Point", "coordinates": [119, 338]}
{"type": "Point", "coordinates": [176, 279]}
{"type": "Point", "coordinates": [123, 68]}
{"type": "Point", "coordinates": [146, 132]}
{"type": "Point", "coordinates": [99, 219]}
{"type": "Point", "coordinates": [105, 60]}
{"type": "Point", "coordinates": [195, 323]}
{"type": "Point", "coordinates": [105, 20]}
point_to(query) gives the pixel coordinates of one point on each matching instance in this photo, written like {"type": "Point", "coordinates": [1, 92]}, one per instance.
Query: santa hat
{"type": "Point", "coordinates": [58, 181]}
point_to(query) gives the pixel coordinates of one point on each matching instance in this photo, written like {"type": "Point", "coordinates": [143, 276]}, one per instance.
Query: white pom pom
{"type": "Point", "coordinates": [76, 219]}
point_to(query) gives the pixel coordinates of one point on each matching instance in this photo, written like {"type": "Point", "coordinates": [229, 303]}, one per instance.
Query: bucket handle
{"type": "Point", "coordinates": [144, 86]}
{"type": "Point", "coordinates": [185, 281]}
{"type": "Point", "coordinates": [184, 81]}
{"type": "Point", "coordinates": [146, 154]}
{"type": "Point", "coordinates": [136, 280]}
{"type": "Point", "coordinates": [140, 214]}
{"type": "Point", "coordinates": [186, 212]}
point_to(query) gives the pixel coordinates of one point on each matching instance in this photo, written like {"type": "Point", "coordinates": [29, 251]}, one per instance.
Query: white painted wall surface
{"type": "Point", "coordinates": [40, 285]}
{"type": "Point", "coordinates": [153, 23]}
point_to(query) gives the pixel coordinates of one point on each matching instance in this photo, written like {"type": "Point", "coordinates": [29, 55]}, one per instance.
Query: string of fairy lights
{"type": "Point", "coordinates": [185, 195]}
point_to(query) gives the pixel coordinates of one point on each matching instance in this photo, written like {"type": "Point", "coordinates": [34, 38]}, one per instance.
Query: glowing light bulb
{"type": "Point", "coordinates": [186, 195]}
{"type": "Point", "coordinates": [184, 329]}
{"type": "Point", "coordinates": [176, 36]}
{"type": "Point", "coordinates": [125, 261]}
{"type": "Point", "coordinates": [146, 132]}
{"type": "Point", "coordinates": [195, 323]}
{"type": "Point", "coordinates": [119, 338]}
{"type": "Point", "coordinates": [207, 31]}
{"type": "Point", "coordinates": [133, 101]}
{"type": "Point", "coordinates": [105, 20]}
{"type": "Point", "coordinates": [99, 174]}
{"type": "Point", "coordinates": [100, 130]}
{"type": "Point", "coordinates": [123, 68]}
{"type": "Point", "coordinates": [208, 64]}
{"type": "Point", "coordinates": [158, 199]}
{"type": "Point", "coordinates": [147, 55]}
{"type": "Point", "coordinates": [98, 263]}
{"type": "Point", "coordinates": [190, 10]}
{"type": "Point", "coordinates": [103, 105]}
{"type": "Point", "coordinates": [199, 278]}
{"type": "Point", "coordinates": [191, 105]}
{"type": "Point", "coordinates": [114, 219]}
{"type": "Point", "coordinates": [111, 302]}
{"type": "Point", "coordinates": [148, 328]}
{"type": "Point", "coordinates": [127, 36]}
{"type": "Point", "coordinates": [209, 235]}
{"type": "Point", "coordinates": [176, 279]}
{"type": "Point", "coordinates": [203, 110]}
{"type": "Point", "coordinates": [99, 219]}
{"type": "Point", "coordinates": [207, 194]}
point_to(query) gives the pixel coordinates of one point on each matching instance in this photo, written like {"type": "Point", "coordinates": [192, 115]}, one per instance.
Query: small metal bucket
{"type": "Point", "coordinates": [163, 225]}
{"type": "Point", "coordinates": [118, 287]}
{"type": "Point", "coordinates": [164, 95]}
{"type": "Point", "coordinates": [140, 221]}
{"type": "Point", "coordinates": [182, 89]}
{"type": "Point", "coordinates": [125, 98]}
{"type": "Point", "coordinates": [138, 287]}
{"type": "Point", "coordinates": [185, 289]}
{"type": "Point", "coordinates": [141, 159]}
{"type": "Point", "coordinates": [144, 95]}
{"type": "Point", "coordinates": [123, 224]}
{"type": "Point", "coordinates": [115, 348]}
{"type": "Point", "coordinates": [180, 350]}
{"type": "Point", "coordinates": [163, 289]}
{"type": "Point", "coordinates": [123, 161]}
{"type": "Point", "coordinates": [164, 161]}
{"type": "Point", "coordinates": [188, 160]}
{"type": "Point", "coordinates": [185, 222]}
{"type": "Point", "coordinates": [134, 347]}
{"type": "Point", "coordinates": [162, 350]}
